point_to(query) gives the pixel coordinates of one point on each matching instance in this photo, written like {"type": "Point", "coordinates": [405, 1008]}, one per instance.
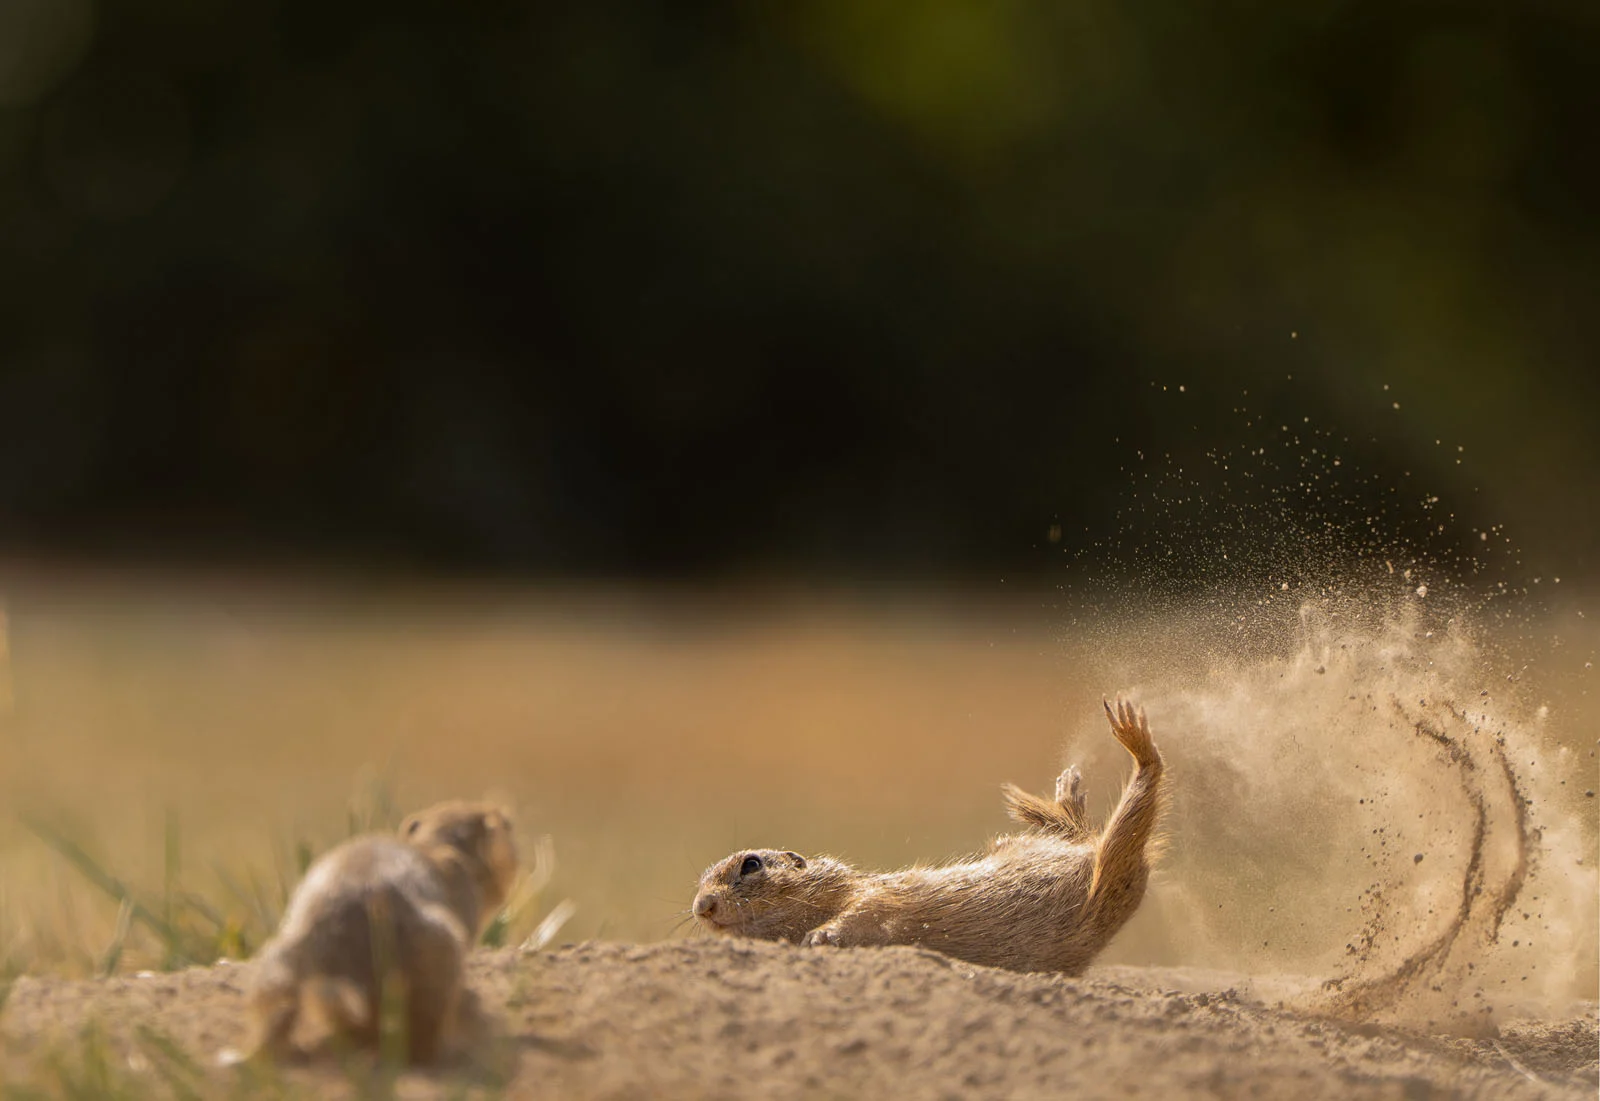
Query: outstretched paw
{"type": "Point", "coordinates": [1069, 790]}
{"type": "Point", "coordinates": [1132, 729]}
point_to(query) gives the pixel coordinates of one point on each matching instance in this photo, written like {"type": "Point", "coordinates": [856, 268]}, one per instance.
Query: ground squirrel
{"type": "Point", "coordinates": [1045, 899]}
{"type": "Point", "coordinates": [385, 916]}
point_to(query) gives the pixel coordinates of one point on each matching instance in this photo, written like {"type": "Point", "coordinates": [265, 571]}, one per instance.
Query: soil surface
{"type": "Point", "coordinates": [729, 1019]}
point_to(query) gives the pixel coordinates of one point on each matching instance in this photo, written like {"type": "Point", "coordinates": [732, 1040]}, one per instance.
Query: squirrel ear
{"type": "Point", "coordinates": [799, 861]}
{"type": "Point", "coordinates": [409, 826]}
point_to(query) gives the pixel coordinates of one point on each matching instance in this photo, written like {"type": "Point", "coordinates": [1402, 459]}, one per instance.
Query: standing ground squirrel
{"type": "Point", "coordinates": [385, 915]}
{"type": "Point", "coordinates": [1046, 899]}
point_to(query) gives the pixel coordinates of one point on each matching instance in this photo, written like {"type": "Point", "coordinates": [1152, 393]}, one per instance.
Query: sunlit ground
{"type": "Point", "coordinates": [190, 734]}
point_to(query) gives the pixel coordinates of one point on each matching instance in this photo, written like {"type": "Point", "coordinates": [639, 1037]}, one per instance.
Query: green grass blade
{"type": "Point", "coordinates": [113, 953]}
{"type": "Point", "coordinates": [110, 884]}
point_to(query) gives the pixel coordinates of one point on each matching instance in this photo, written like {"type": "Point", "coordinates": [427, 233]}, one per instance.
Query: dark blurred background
{"type": "Point", "coordinates": [832, 289]}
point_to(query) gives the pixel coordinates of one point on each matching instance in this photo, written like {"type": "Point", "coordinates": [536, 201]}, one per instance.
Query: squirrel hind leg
{"type": "Point", "coordinates": [1072, 801]}
{"type": "Point", "coordinates": [431, 1026]}
{"type": "Point", "coordinates": [1066, 818]}
{"type": "Point", "coordinates": [1069, 791]}
{"type": "Point", "coordinates": [275, 1005]}
{"type": "Point", "coordinates": [348, 1012]}
{"type": "Point", "coordinates": [1122, 860]}
{"type": "Point", "coordinates": [435, 961]}
{"type": "Point", "coordinates": [1132, 730]}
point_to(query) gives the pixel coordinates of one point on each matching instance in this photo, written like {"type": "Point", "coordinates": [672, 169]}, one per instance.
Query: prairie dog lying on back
{"type": "Point", "coordinates": [385, 914]}
{"type": "Point", "coordinates": [1046, 899]}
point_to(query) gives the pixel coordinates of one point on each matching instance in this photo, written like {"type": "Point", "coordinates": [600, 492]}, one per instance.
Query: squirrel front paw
{"type": "Point", "coordinates": [824, 936]}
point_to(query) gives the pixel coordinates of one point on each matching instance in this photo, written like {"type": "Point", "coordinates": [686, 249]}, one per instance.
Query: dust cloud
{"type": "Point", "coordinates": [1382, 772]}
{"type": "Point", "coordinates": [1365, 811]}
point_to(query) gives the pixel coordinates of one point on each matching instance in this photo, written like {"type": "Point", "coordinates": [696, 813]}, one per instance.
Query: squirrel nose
{"type": "Point", "coordinates": [704, 904]}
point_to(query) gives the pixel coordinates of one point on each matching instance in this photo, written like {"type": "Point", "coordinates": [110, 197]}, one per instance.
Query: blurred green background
{"type": "Point", "coordinates": [819, 288]}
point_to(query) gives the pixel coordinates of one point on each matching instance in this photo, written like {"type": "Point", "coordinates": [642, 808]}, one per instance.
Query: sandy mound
{"type": "Point", "coordinates": [744, 1019]}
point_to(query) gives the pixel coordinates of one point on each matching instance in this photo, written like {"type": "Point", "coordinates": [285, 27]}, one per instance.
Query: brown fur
{"type": "Point", "coordinates": [1046, 899]}
{"type": "Point", "coordinates": [381, 917]}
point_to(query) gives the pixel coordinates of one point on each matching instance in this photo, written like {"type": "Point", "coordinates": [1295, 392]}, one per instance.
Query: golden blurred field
{"type": "Point", "coordinates": [647, 734]}
{"type": "Point", "coordinates": [190, 733]}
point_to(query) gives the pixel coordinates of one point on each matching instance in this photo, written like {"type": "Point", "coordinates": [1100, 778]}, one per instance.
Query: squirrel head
{"type": "Point", "coordinates": [477, 834]}
{"type": "Point", "coordinates": [770, 894]}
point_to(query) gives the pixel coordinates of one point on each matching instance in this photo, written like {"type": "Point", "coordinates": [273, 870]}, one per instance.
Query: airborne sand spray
{"type": "Point", "coordinates": [1363, 809]}
{"type": "Point", "coordinates": [1367, 791]}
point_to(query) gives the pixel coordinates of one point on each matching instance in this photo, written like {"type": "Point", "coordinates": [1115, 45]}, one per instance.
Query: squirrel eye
{"type": "Point", "coordinates": [751, 865]}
